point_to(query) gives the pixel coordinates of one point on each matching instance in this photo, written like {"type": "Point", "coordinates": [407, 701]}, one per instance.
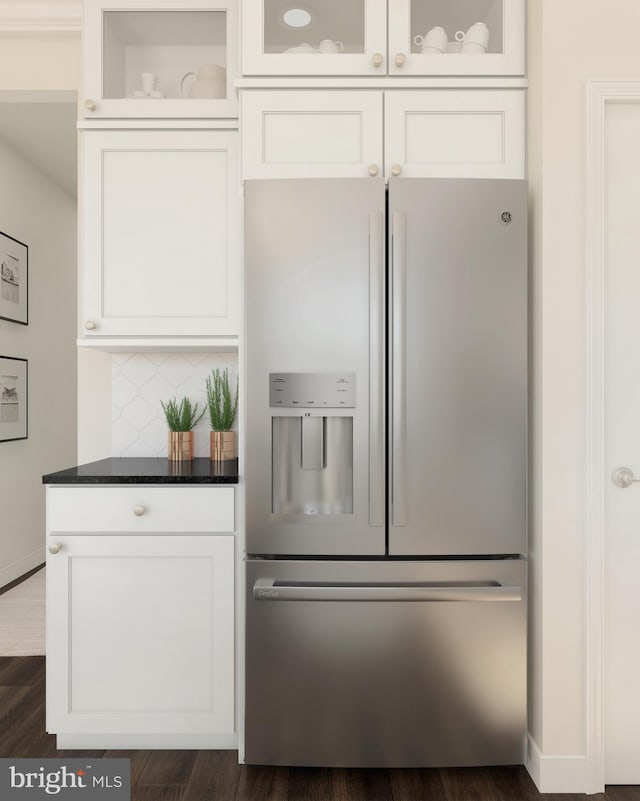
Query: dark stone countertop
{"type": "Point", "coordinates": [127, 470]}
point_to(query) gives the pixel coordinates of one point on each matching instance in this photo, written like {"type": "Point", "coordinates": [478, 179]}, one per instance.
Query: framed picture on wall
{"type": "Point", "coordinates": [14, 280]}
{"type": "Point", "coordinates": [13, 398]}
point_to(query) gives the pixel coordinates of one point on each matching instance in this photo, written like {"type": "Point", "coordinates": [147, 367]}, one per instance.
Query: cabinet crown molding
{"type": "Point", "coordinates": [40, 16]}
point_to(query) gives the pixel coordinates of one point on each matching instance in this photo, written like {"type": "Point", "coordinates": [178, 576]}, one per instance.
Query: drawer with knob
{"type": "Point", "coordinates": [139, 509]}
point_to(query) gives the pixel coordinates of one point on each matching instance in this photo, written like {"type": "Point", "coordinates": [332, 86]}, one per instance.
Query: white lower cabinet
{"type": "Point", "coordinates": [475, 133]}
{"type": "Point", "coordinates": [140, 639]}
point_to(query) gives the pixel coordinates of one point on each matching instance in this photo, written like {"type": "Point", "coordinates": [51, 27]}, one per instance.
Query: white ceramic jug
{"type": "Point", "coordinates": [211, 81]}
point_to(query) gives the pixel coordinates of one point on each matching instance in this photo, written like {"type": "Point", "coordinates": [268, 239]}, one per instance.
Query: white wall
{"type": "Point", "coordinates": [38, 213]}
{"type": "Point", "coordinates": [39, 62]}
{"type": "Point", "coordinates": [570, 41]}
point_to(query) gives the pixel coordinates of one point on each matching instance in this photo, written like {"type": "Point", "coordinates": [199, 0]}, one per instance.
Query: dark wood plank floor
{"type": "Point", "coordinates": [216, 775]}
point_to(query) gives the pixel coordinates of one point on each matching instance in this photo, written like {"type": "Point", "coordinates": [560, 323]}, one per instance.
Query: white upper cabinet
{"type": "Point", "coordinates": [160, 233]}
{"type": "Point", "coordinates": [321, 37]}
{"type": "Point", "coordinates": [456, 37]}
{"type": "Point", "coordinates": [160, 58]}
{"type": "Point", "coordinates": [459, 133]}
{"type": "Point", "coordinates": [349, 37]}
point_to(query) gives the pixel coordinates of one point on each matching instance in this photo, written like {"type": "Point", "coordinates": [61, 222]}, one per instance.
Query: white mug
{"type": "Point", "coordinates": [329, 46]}
{"type": "Point", "coordinates": [149, 80]}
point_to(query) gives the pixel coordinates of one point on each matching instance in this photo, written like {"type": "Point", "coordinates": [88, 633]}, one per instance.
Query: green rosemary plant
{"type": "Point", "coordinates": [222, 403]}
{"type": "Point", "coordinates": [182, 416]}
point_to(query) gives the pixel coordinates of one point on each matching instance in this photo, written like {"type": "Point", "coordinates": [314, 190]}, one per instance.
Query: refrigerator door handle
{"type": "Point", "coordinates": [485, 592]}
{"type": "Point", "coordinates": [398, 368]}
{"type": "Point", "coordinates": [376, 369]}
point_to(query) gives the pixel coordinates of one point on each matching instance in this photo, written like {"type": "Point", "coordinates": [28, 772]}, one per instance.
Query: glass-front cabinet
{"type": "Point", "coordinates": [160, 58]}
{"type": "Point", "coordinates": [380, 37]}
{"type": "Point", "coordinates": [316, 37]}
{"type": "Point", "coordinates": [456, 37]}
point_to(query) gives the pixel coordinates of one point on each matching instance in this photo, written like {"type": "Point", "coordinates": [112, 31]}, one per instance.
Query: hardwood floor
{"type": "Point", "coordinates": [216, 775]}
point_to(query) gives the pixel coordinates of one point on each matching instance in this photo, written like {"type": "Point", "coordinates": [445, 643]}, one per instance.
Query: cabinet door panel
{"type": "Point", "coordinates": [498, 25]}
{"type": "Point", "coordinates": [160, 229]}
{"type": "Point", "coordinates": [164, 39]}
{"type": "Point", "coordinates": [271, 46]}
{"type": "Point", "coordinates": [311, 134]}
{"type": "Point", "coordinates": [456, 134]}
{"type": "Point", "coordinates": [140, 635]}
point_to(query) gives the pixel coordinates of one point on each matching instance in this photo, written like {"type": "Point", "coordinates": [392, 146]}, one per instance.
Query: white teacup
{"type": "Point", "coordinates": [454, 47]}
{"type": "Point", "coordinates": [436, 37]}
{"type": "Point", "coordinates": [329, 46]}
{"type": "Point", "coordinates": [478, 33]}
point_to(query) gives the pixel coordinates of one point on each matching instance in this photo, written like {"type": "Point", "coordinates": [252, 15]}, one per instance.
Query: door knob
{"type": "Point", "coordinates": [396, 170]}
{"type": "Point", "coordinates": [90, 105]}
{"type": "Point", "coordinates": [377, 59]}
{"type": "Point", "coordinates": [90, 325]}
{"type": "Point", "coordinates": [623, 478]}
{"type": "Point", "coordinates": [400, 59]}
{"type": "Point", "coordinates": [373, 170]}
{"type": "Point", "coordinates": [55, 548]}
{"type": "Point", "coordinates": [139, 511]}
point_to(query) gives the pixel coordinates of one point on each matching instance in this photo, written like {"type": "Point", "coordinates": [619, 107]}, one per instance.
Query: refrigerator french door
{"type": "Point", "coordinates": [385, 472]}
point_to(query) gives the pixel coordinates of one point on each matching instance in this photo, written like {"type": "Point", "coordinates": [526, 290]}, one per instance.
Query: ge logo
{"type": "Point", "coordinates": [505, 217]}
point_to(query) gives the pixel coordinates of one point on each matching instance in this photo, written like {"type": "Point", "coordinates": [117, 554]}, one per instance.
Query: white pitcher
{"type": "Point", "coordinates": [211, 81]}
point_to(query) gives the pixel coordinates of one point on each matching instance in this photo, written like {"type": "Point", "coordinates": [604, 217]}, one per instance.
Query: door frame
{"type": "Point", "coordinates": [600, 93]}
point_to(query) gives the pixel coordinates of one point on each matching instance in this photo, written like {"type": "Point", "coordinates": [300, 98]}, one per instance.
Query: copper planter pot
{"type": "Point", "coordinates": [180, 446]}
{"type": "Point", "coordinates": [224, 445]}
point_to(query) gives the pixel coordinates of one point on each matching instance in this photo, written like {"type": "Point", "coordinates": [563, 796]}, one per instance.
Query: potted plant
{"type": "Point", "coordinates": [223, 407]}
{"type": "Point", "coordinates": [181, 418]}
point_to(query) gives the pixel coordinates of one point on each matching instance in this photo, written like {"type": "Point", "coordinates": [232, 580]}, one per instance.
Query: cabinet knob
{"type": "Point", "coordinates": [373, 170]}
{"type": "Point", "coordinates": [55, 548]}
{"type": "Point", "coordinates": [90, 105]}
{"type": "Point", "coordinates": [400, 59]}
{"type": "Point", "coordinates": [396, 170]}
{"type": "Point", "coordinates": [377, 59]}
{"type": "Point", "coordinates": [90, 325]}
{"type": "Point", "coordinates": [139, 511]}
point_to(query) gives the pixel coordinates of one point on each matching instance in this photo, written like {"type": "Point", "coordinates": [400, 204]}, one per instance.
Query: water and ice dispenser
{"type": "Point", "coordinates": [312, 448]}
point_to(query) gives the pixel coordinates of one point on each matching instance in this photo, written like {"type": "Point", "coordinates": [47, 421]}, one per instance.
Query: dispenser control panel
{"type": "Point", "coordinates": [312, 390]}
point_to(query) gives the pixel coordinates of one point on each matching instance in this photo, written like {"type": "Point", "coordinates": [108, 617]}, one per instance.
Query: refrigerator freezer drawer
{"type": "Point", "coordinates": [396, 664]}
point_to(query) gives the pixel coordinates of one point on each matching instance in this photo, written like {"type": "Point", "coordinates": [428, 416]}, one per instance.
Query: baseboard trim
{"type": "Point", "coordinates": [554, 773]}
{"type": "Point", "coordinates": [172, 742]}
{"type": "Point", "coordinates": [25, 565]}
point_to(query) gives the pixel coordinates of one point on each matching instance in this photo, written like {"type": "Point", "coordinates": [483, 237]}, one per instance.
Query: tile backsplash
{"type": "Point", "coordinates": [139, 381]}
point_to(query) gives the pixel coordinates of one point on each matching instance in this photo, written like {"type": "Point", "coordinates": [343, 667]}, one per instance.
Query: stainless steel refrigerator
{"type": "Point", "coordinates": [386, 392]}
